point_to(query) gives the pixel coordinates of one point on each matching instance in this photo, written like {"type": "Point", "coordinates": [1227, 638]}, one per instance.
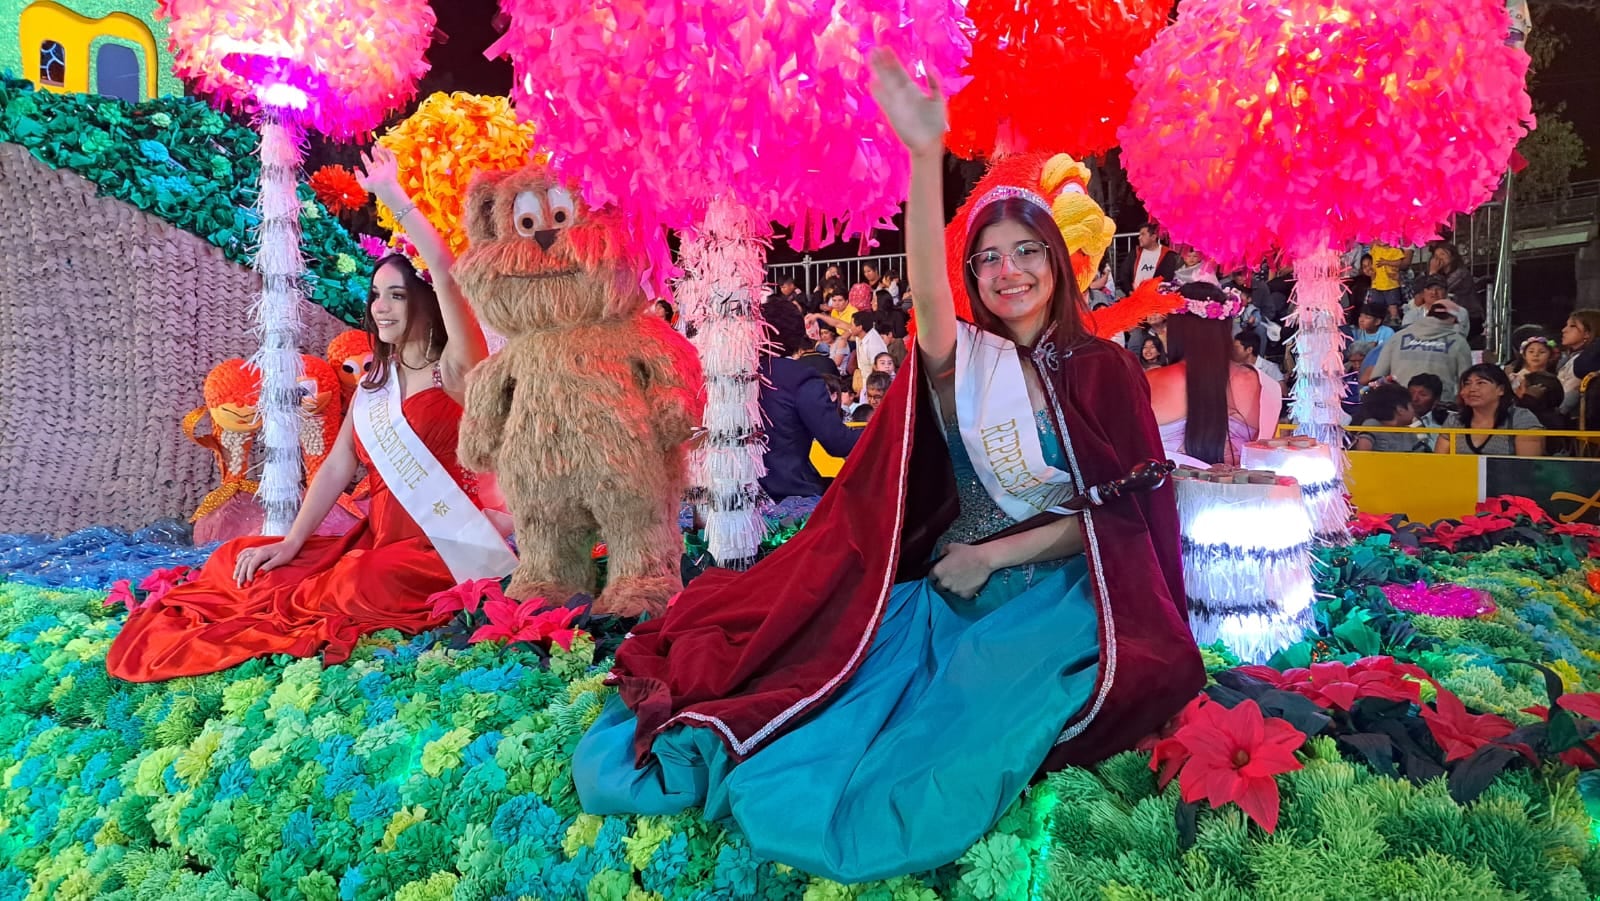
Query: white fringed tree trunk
{"type": "Point", "coordinates": [1319, 382]}
{"type": "Point", "coordinates": [724, 261]}
{"type": "Point", "coordinates": [277, 320]}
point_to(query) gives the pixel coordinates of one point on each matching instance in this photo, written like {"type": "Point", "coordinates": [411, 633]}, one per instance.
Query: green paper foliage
{"type": "Point", "coordinates": [180, 160]}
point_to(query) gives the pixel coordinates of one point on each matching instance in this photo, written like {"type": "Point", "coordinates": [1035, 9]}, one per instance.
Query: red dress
{"type": "Point", "coordinates": [379, 575]}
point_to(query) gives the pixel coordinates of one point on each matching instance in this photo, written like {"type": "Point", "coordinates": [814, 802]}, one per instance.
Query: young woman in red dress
{"type": "Point", "coordinates": [303, 594]}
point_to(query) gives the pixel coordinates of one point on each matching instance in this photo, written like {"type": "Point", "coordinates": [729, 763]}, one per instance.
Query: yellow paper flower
{"type": "Point", "coordinates": [441, 145]}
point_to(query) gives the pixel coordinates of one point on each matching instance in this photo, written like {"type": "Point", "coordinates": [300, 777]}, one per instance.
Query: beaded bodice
{"type": "Point", "coordinates": [980, 515]}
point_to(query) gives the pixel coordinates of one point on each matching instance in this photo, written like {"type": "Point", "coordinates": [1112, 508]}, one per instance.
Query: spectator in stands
{"type": "Point", "coordinates": [877, 386]}
{"type": "Point", "coordinates": [1487, 402]}
{"type": "Point", "coordinates": [1542, 395]}
{"type": "Point", "coordinates": [665, 311]}
{"type": "Point", "coordinates": [788, 290]}
{"type": "Point", "coordinates": [1444, 261]}
{"type": "Point", "coordinates": [1369, 332]}
{"type": "Point", "coordinates": [1539, 354]}
{"type": "Point", "coordinates": [832, 344]}
{"type": "Point", "coordinates": [797, 408]}
{"type": "Point", "coordinates": [1152, 354]}
{"type": "Point", "coordinates": [1583, 355]}
{"type": "Point", "coordinates": [1430, 293]}
{"type": "Point", "coordinates": [1356, 290]}
{"type": "Point", "coordinates": [885, 362]}
{"type": "Point", "coordinates": [1386, 263]}
{"type": "Point", "coordinates": [1432, 345]}
{"type": "Point", "coordinates": [873, 276]}
{"type": "Point", "coordinates": [861, 414]}
{"type": "Point", "coordinates": [1387, 405]}
{"type": "Point", "coordinates": [1152, 260]}
{"type": "Point", "coordinates": [1430, 411]}
{"type": "Point", "coordinates": [1100, 289]}
{"type": "Point", "coordinates": [1247, 350]}
{"type": "Point", "coordinates": [1195, 268]}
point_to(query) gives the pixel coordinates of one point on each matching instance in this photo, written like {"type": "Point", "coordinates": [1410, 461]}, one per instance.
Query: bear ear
{"type": "Point", "coordinates": [479, 209]}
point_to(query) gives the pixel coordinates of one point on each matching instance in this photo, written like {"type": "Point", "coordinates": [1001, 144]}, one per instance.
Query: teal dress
{"type": "Point", "coordinates": [919, 754]}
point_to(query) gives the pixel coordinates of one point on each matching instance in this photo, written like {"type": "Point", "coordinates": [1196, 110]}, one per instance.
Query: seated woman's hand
{"type": "Point", "coordinates": [963, 570]}
{"type": "Point", "coordinates": [262, 559]}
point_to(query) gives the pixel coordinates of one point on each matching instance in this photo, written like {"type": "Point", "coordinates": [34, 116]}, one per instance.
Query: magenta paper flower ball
{"type": "Point", "coordinates": [342, 65]}
{"type": "Point", "coordinates": [662, 107]}
{"type": "Point", "coordinates": [1311, 124]}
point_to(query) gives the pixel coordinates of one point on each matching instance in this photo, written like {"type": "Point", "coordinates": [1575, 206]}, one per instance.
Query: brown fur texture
{"type": "Point", "coordinates": [585, 413]}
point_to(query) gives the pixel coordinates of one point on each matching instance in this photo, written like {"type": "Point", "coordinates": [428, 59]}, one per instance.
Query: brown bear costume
{"type": "Point", "coordinates": [585, 413]}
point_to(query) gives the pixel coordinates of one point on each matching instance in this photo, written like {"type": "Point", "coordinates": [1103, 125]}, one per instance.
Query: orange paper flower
{"type": "Point", "coordinates": [338, 189]}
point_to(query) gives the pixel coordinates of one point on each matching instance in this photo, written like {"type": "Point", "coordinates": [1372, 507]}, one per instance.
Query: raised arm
{"type": "Point", "coordinates": [918, 117]}
{"type": "Point", "coordinates": [466, 346]}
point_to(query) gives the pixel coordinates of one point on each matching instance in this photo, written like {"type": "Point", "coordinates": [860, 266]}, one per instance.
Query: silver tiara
{"type": "Point", "coordinates": [1006, 192]}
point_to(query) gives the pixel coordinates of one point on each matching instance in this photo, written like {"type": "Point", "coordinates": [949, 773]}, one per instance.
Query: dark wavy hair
{"type": "Point", "coordinates": [421, 301]}
{"type": "Point", "coordinates": [1067, 308]}
{"type": "Point", "coordinates": [1205, 347]}
{"type": "Point", "coordinates": [788, 326]}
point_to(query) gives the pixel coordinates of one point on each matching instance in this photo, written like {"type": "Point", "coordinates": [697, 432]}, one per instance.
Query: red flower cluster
{"type": "Point", "coordinates": [1586, 705]}
{"type": "Point", "coordinates": [1225, 756]}
{"type": "Point", "coordinates": [466, 597]}
{"type": "Point", "coordinates": [1509, 505]}
{"type": "Point", "coordinates": [1364, 524]}
{"type": "Point", "coordinates": [1448, 534]}
{"type": "Point", "coordinates": [510, 621]}
{"type": "Point", "coordinates": [155, 586]}
{"type": "Point", "coordinates": [1338, 685]}
{"type": "Point", "coordinates": [338, 189]}
{"type": "Point", "coordinates": [1460, 733]}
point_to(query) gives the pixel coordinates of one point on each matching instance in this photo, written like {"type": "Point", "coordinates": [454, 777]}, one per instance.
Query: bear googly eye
{"type": "Point", "coordinates": [563, 211]}
{"type": "Point", "coordinates": [527, 214]}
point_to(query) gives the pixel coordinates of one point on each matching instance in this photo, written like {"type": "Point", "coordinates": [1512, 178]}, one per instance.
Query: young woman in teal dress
{"type": "Point", "coordinates": [971, 603]}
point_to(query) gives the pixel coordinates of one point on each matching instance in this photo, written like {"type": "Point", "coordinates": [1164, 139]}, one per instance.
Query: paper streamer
{"type": "Point", "coordinates": [1246, 559]}
{"type": "Point", "coordinates": [666, 107]}
{"type": "Point", "coordinates": [1050, 75]}
{"type": "Point", "coordinates": [342, 64]}
{"type": "Point", "coordinates": [1316, 466]}
{"type": "Point", "coordinates": [724, 265]}
{"type": "Point", "coordinates": [1304, 125]}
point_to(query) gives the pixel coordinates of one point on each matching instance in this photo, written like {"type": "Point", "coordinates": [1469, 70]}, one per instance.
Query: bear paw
{"type": "Point", "coordinates": [638, 595]}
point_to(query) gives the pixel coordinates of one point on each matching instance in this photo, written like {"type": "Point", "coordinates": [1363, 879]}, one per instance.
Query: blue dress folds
{"type": "Point", "coordinates": [919, 754]}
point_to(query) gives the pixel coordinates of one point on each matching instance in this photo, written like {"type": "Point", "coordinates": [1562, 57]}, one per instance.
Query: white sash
{"type": "Point", "coordinates": [464, 537]}
{"type": "Point", "coordinates": [999, 430]}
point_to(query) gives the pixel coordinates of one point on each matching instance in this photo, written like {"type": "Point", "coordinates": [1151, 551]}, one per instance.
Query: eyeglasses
{"type": "Point", "coordinates": [1029, 256]}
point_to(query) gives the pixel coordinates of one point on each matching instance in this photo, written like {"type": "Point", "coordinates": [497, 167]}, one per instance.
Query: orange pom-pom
{"type": "Point", "coordinates": [338, 189]}
{"type": "Point", "coordinates": [233, 382]}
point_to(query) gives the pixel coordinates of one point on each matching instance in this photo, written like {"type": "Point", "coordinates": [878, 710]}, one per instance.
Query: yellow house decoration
{"type": "Point", "coordinates": [117, 49]}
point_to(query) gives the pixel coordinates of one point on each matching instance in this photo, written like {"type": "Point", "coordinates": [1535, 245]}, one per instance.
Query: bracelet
{"type": "Point", "coordinates": [405, 212]}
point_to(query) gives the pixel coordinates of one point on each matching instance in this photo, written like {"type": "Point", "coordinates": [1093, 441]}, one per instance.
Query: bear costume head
{"type": "Point", "coordinates": [539, 257]}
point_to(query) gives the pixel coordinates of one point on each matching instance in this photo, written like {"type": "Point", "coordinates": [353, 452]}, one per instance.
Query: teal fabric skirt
{"type": "Point", "coordinates": [912, 761]}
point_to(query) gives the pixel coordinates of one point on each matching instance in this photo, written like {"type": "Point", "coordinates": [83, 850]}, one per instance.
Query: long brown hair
{"type": "Point", "coordinates": [1205, 347]}
{"type": "Point", "coordinates": [422, 304]}
{"type": "Point", "coordinates": [1067, 308]}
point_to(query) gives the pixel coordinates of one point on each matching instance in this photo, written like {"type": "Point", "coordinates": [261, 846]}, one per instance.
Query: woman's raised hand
{"type": "Point", "coordinates": [917, 115]}
{"type": "Point", "coordinates": [379, 168]}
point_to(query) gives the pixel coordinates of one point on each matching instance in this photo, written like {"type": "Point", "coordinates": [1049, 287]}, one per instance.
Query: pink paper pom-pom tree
{"type": "Point", "coordinates": [337, 66]}
{"type": "Point", "coordinates": [1050, 74]}
{"type": "Point", "coordinates": [1300, 127]}
{"type": "Point", "coordinates": [716, 118]}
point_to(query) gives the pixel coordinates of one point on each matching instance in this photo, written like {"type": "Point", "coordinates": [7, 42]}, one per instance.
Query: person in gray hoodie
{"type": "Point", "coordinates": [1431, 344]}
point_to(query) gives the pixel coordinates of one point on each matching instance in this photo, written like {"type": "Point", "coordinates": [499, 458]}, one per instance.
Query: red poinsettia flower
{"type": "Point", "coordinates": [1458, 732]}
{"type": "Point", "coordinates": [1235, 757]}
{"type": "Point", "coordinates": [1448, 534]}
{"type": "Point", "coordinates": [466, 596]}
{"type": "Point", "coordinates": [1339, 685]}
{"type": "Point", "coordinates": [122, 593]}
{"type": "Point", "coordinates": [510, 621]}
{"type": "Point", "coordinates": [160, 582]}
{"type": "Point", "coordinates": [1167, 754]}
{"type": "Point", "coordinates": [338, 189]}
{"type": "Point", "coordinates": [1576, 529]}
{"type": "Point", "coordinates": [1585, 705]}
{"type": "Point", "coordinates": [1593, 577]}
{"type": "Point", "coordinates": [1364, 524]}
{"type": "Point", "coordinates": [1514, 506]}
{"type": "Point", "coordinates": [1577, 758]}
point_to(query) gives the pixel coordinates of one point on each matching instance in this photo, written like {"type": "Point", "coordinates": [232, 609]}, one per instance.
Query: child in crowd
{"type": "Point", "coordinates": [1387, 405]}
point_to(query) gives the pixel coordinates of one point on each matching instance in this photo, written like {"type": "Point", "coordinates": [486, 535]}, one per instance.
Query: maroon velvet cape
{"type": "Point", "coordinates": [752, 654]}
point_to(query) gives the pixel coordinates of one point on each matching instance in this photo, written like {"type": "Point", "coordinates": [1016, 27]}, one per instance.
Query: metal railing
{"type": "Point", "coordinates": [1587, 443]}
